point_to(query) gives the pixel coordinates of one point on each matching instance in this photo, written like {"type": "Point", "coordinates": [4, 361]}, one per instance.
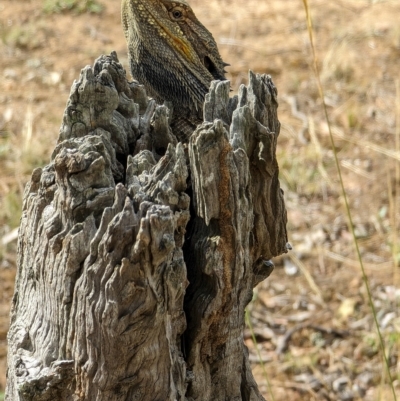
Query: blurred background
{"type": "Point", "coordinates": [313, 326]}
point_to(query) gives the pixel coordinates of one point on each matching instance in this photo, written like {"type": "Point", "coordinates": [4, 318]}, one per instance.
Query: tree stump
{"type": "Point", "coordinates": [137, 254]}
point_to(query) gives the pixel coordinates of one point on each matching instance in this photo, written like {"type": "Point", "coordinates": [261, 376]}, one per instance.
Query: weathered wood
{"type": "Point", "coordinates": [138, 254]}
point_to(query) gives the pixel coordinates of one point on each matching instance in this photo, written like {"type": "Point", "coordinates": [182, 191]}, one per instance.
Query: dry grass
{"type": "Point", "coordinates": [358, 45]}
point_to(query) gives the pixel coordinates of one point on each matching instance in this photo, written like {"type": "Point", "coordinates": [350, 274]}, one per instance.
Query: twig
{"type": "Point", "coordinates": [283, 342]}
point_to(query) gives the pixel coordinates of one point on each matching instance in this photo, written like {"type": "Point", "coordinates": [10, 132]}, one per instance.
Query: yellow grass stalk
{"type": "Point", "coordinates": [344, 195]}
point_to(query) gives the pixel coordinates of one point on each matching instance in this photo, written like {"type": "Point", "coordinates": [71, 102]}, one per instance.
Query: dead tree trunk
{"type": "Point", "coordinates": [137, 255]}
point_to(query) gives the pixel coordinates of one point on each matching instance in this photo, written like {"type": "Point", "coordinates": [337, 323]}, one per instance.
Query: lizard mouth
{"type": "Point", "coordinates": [211, 67]}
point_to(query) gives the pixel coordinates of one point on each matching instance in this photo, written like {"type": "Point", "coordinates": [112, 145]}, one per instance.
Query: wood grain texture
{"type": "Point", "coordinates": [137, 254]}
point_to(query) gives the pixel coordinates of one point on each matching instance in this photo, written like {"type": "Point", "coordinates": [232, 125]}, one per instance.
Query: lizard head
{"type": "Point", "coordinates": [200, 39]}
{"type": "Point", "coordinates": [174, 22]}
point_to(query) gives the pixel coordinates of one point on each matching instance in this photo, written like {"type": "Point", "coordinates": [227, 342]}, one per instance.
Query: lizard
{"type": "Point", "coordinates": [173, 55]}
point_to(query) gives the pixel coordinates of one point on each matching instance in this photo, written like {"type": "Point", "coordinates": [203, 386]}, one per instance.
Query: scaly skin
{"type": "Point", "coordinates": [171, 53]}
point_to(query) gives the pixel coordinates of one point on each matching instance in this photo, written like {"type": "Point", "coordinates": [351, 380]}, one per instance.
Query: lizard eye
{"type": "Point", "coordinates": [176, 14]}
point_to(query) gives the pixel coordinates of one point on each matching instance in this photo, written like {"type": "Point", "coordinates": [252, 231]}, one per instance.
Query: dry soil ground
{"type": "Point", "coordinates": [312, 320]}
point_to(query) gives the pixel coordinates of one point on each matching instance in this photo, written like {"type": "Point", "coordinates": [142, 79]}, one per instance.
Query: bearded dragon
{"type": "Point", "coordinates": [173, 55]}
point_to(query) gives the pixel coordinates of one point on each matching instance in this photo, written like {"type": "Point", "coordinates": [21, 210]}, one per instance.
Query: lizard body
{"type": "Point", "coordinates": [172, 54]}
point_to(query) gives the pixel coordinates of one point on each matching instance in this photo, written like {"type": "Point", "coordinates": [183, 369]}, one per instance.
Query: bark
{"type": "Point", "coordinates": [137, 254]}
